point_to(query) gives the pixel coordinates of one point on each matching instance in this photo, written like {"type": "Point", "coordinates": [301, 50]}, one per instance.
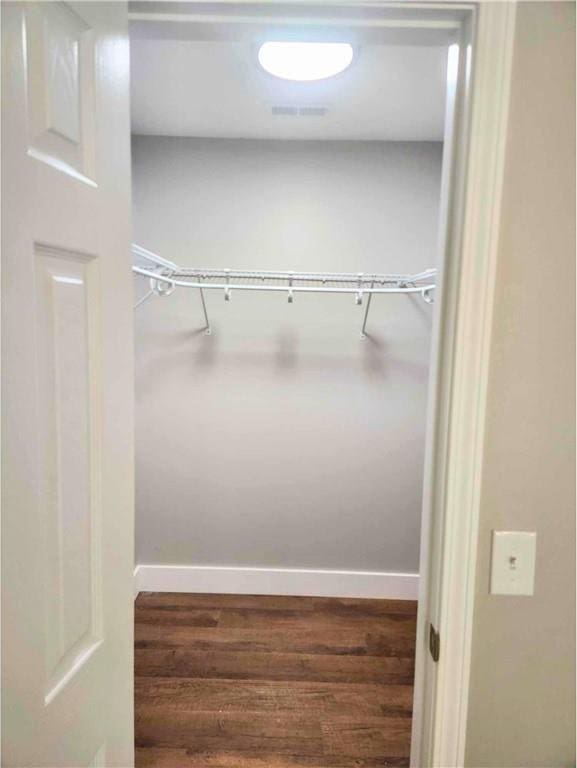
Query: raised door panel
{"type": "Point", "coordinates": [68, 386]}
{"type": "Point", "coordinates": [60, 74]}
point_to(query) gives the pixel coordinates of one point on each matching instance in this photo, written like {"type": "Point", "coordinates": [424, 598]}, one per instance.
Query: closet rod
{"type": "Point", "coordinates": [166, 276]}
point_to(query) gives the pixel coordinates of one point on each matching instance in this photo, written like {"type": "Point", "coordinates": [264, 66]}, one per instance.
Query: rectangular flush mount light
{"type": "Point", "coordinates": [305, 62]}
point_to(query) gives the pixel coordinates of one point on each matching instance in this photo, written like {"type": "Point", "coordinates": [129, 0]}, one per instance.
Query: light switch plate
{"type": "Point", "coordinates": [513, 563]}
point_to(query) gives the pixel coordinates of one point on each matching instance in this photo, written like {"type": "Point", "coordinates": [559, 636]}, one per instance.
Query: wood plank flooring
{"type": "Point", "coordinates": [244, 681]}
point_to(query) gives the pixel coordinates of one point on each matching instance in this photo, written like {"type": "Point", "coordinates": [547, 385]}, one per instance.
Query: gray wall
{"type": "Point", "coordinates": [283, 440]}
{"type": "Point", "coordinates": [522, 696]}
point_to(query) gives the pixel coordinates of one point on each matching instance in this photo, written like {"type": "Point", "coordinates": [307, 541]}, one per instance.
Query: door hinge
{"type": "Point", "coordinates": [434, 642]}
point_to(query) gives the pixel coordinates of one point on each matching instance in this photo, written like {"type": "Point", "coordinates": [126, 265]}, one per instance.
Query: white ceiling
{"type": "Point", "coordinates": [216, 89]}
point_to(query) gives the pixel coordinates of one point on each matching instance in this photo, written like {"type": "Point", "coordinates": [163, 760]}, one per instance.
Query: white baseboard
{"type": "Point", "coordinates": [275, 581]}
{"type": "Point", "coordinates": [135, 585]}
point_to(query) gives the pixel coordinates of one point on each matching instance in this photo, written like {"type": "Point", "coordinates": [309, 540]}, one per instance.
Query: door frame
{"type": "Point", "coordinates": [470, 216]}
{"type": "Point", "coordinates": [457, 413]}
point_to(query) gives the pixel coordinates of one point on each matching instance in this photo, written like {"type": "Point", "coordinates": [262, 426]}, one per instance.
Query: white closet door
{"type": "Point", "coordinates": [67, 528]}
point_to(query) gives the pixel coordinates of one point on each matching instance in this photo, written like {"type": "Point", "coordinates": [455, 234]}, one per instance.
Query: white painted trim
{"type": "Point", "coordinates": [275, 581]}
{"type": "Point", "coordinates": [461, 403]}
{"type": "Point", "coordinates": [135, 583]}
{"type": "Point", "coordinates": [486, 160]}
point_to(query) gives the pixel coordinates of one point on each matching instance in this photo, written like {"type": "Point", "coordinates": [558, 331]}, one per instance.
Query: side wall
{"type": "Point", "coordinates": [283, 440]}
{"type": "Point", "coordinates": [522, 705]}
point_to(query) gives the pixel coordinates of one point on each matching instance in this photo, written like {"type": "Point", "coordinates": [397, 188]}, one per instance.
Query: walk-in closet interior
{"type": "Point", "coordinates": [286, 204]}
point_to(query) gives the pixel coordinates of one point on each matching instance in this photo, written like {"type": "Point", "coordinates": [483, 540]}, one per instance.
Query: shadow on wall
{"type": "Point", "coordinates": [199, 351]}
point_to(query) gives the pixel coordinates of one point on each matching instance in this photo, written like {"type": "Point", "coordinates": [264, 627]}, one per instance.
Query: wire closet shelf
{"type": "Point", "coordinates": [165, 276]}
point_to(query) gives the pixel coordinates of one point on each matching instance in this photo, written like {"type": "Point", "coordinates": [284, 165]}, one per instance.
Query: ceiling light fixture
{"type": "Point", "coordinates": [305, 62]}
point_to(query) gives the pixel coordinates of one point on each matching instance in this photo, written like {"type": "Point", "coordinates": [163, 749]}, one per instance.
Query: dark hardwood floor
{"type": "Point", "coordinates": [242, 681]}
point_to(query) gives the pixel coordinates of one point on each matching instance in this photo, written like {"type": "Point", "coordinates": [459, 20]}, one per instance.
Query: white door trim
{"type": "Point", "coordinates": [456, 441]}
{"type": "Point", "coordinates": [458, 466]}
{"type": "Point", "coordinates": [486, 161]}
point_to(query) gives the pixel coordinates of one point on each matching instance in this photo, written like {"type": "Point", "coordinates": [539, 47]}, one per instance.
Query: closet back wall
{"type": "Point", "coordinates": [282, 440]}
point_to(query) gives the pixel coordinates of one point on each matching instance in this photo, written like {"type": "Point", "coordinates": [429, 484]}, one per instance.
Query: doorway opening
{"type": "Point", "coordinates": [288, 249]}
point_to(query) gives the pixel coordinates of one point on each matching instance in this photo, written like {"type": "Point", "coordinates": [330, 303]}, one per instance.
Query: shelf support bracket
{"type": "Point", "coordinates": [144, 298]}
{"type": "Point", "coordinates": [207, 329]}
{"type": "Point", "coordinates": [366, 315]}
